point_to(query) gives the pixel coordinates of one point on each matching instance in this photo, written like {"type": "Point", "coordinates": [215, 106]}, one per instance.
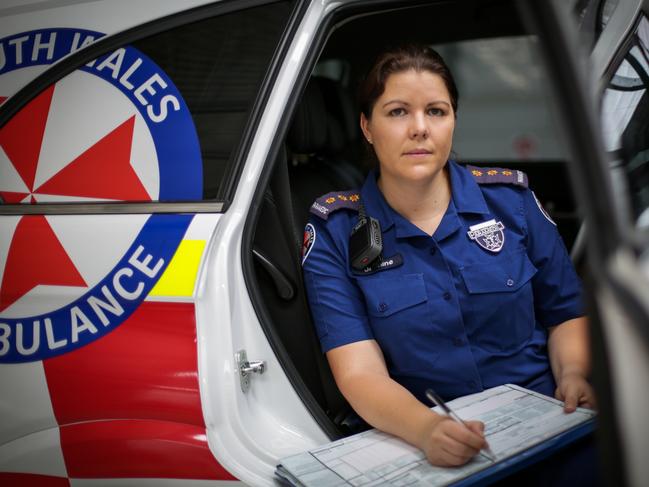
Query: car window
{"type": "Point", "coordinates": [159, 119]}
{"type": "Point", "coordinates": [593, 16]}
{"type": "Point", "coordinates": [625, 119]}
{"type": "Point", "coordinates": [506, 117]}
{"type": "Point", "coordinates": [504, 113]}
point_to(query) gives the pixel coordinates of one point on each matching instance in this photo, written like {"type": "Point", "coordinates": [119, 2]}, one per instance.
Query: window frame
{"type": "Point", "coordinates": [109, 43]}
{"type": "Point", "coordinates": [331, 20]}
{"type": "Point", "coordinates": [588, 168]}
{"type": "Point", "coordinates": [620, 54]}
{"type": "Point", "coordinates": [638, 238]}
{"type": "Point", "coordinates": [591, 23]}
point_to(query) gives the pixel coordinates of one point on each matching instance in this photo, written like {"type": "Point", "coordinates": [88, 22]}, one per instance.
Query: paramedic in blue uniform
{"type": "Point", "coordinates": [473, 288]}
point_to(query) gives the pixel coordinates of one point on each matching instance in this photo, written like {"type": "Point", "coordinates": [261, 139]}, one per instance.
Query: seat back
{"type": "Point", "coordinates": [321, 138]}
{"type": "Point", "coordinates": [313, 164]}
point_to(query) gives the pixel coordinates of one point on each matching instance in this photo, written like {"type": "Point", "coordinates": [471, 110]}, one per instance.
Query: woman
{"type": "Point", "coordinates": [473, 288]}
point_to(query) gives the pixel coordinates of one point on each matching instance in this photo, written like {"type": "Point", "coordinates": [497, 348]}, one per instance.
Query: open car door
{"type": "Point", "coordinates": [610, 171]}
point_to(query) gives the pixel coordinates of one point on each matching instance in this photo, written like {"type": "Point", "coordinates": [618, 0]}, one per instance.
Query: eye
{"type": "Point", "coordinates": [397, 112]}
{"type": "Point", "coordinates": [436, 112]}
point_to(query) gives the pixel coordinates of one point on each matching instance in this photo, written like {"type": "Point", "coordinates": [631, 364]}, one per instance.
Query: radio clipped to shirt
{"type": "Point", "coordinates": [365, 241]}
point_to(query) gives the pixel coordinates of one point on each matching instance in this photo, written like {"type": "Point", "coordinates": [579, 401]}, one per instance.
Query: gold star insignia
{"type": "Point", "coordinates": [507, 173]}
{"type": "Point", "coordinates": [330, 200]}
{"type": "Point", "coordinates": [492, 172]}
{"type": "Point", "coordinates": [342, 197]}
{"type": "Point", "coordinates": [354, 197]}
{"type": "Point", "coordinates": [475, 172]}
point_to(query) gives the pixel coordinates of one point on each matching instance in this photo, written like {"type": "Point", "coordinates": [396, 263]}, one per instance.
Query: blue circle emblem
{"type": "Point", "coordinates": [111, 300]}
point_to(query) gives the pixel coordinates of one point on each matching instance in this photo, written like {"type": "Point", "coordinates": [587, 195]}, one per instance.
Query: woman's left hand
{"type": "Point", "coordinates": [574, 390]}
{"type": "Point", "coordinates": [570, 360]}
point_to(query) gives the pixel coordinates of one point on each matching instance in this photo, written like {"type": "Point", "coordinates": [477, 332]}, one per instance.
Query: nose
{"type": "Point", "coordinates": [418, 127]}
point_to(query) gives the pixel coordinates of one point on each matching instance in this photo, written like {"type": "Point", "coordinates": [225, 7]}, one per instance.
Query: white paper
{"type": "Point", "coordinates": [515, 419]}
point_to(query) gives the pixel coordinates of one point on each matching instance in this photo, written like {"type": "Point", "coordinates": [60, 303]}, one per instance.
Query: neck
{"type": "Point", "coordinates": [423, 203]}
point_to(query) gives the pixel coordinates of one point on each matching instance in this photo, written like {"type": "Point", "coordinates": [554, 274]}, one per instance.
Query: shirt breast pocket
{"type": "Point", "coordinates": [386, 296]}
{"type": "Point", "coordinates": [397, 308]}
{"type": "Point", "coordinates": [500, 302]}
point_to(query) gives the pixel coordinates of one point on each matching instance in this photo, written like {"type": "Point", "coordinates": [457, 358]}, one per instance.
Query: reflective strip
{"type": "Point", "coordinates": [180, 276]}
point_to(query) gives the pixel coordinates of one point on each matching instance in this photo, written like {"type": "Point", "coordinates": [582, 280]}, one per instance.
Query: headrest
{"type": "Point", "coordinates": [308, 132]}
{"type": "Point", "coordinates": [341, 105]}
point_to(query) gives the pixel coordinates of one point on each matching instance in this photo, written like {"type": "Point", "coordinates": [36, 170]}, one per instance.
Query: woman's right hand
{"type": "Point", "coordinates": [362, 376]}
{"type": "Point", "coordinates": [448, 443]}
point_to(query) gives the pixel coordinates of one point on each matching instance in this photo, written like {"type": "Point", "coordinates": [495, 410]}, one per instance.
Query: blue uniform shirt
{"type": "Point", "coordinates": [456, 313]}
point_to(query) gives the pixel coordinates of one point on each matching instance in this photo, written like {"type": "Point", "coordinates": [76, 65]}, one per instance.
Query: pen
{"type": "Point", "coordinates": [438, 401]}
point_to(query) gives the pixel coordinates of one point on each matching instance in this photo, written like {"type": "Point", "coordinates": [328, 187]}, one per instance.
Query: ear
{"type": "Point", "coordinates": [365, 127]}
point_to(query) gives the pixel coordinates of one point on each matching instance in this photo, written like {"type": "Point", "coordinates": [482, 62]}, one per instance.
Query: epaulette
{"type": "Point", "coordinates": [498, 175]}
{"type": "Point", "coordinates": [334, 201]}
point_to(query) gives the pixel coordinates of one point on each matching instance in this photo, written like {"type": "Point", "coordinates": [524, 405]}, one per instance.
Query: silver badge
{"type": "Point", "coordinates": [488, 235]}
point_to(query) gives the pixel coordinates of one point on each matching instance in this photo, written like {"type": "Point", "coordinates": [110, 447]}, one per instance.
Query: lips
{"type": "Point", "coordinates": [418, 152]}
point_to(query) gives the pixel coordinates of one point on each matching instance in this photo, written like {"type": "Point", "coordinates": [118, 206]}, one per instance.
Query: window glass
{"type": "Point", "coordinates": [607, 9]}
{"type": "Point", "coordinates": [625, 119]}
{"type": "Point", "coordinates": [157, 120]}
{"type": "Point", "coordinates": [504, 114]}
{"type": "Point", "coordinates": [334, 69]}
{"type": "Point", "coordinates": [593, 16]}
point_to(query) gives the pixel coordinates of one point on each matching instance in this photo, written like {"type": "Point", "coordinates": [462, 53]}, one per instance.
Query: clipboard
{"type": "Point", "coordinates": [522, 426]}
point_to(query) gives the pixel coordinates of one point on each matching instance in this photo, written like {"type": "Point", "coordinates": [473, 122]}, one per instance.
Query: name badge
{"type": "Point", "coordinates": [384, 264]}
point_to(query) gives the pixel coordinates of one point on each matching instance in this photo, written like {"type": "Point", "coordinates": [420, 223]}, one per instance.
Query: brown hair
{"type": "Point", "coordinates": [404, 58]}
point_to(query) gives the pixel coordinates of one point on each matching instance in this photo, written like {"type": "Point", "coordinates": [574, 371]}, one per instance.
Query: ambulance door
{"type": "Point", "coordinates": [610, 170]}
{"type": "Point", "coordinates": [120, 294]}
{"type": "Point", "coordinates": [623, 293]}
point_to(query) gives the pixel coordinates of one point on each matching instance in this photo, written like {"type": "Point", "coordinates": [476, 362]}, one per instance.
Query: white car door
{"type": "Point", "coordinates": [125, 172]}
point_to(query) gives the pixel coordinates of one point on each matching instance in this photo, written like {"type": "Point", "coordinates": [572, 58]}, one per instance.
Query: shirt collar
{"type": "Point", "coordinates": [377, 207]}
{"type": "Point", "coordinates": [374, 202]}
{"type": "Point", "coordinates": [465, 193]}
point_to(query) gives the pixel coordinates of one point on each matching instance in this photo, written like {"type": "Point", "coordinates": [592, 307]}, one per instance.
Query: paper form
{"type": "Point", "coordinates": [515, 419]}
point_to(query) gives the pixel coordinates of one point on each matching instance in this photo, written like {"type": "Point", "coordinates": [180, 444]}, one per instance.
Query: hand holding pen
{"type": "Point", "coordinates": [438, 401]}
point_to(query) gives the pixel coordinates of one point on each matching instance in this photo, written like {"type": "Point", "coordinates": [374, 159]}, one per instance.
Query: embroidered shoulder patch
{"type": "Point", "coordinates": [308, 241]}
{"type": "Point", "coordinates": [334, 201]}
{"type": "Point", "coordinates": [498, 175]}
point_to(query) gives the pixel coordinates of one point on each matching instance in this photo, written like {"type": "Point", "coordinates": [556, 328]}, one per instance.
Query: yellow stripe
{"type": "Point", "coordinates": [180, 276]}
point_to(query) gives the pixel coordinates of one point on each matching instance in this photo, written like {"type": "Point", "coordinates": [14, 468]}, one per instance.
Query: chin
{"type": "Point", "coordinates": [423, 173]}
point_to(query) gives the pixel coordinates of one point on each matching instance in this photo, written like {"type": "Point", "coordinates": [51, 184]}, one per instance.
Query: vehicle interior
{"type": "Point", "coordinates": [504, 120]}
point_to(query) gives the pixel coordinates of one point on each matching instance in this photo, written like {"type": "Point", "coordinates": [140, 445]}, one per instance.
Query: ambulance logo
{"type": "Point", "coordinates": [489, 235]}
{"type": "Point", "coordinates": [116, 129]}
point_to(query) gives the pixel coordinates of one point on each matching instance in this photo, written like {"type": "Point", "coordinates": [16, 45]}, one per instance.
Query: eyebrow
{"type": "Point", "coordinates": [408, 104]}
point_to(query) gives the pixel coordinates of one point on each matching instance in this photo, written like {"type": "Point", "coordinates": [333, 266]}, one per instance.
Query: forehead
{"type": "Point", "coordinates": [420, 84]}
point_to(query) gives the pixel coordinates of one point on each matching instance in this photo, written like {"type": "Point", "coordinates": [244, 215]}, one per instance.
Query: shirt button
{"type": "Point", "coordinates": [433, 250]}
{"type": "Point", "coordinates": [383, 306]}
{"type": "Point", "coordinates": [447, 296]}
{"type": "Point", "coordinates": [458, 342]}
{"type": "Point", "coordinates": [510, 282]}
{"type": "Point", "coordinates": [471, 383]}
